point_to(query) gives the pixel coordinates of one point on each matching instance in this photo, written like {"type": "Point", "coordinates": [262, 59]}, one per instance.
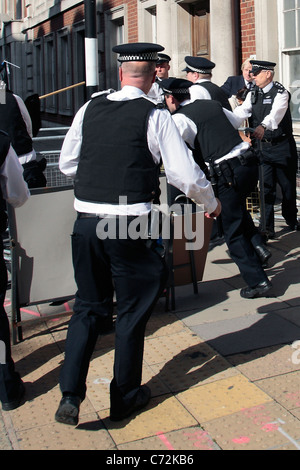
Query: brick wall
{"type": "Point", "coordinates": [247, 28]}
{"type": "Point", "coordinates": [132, 20]}
{"type": "Point", "coordinates": [67, 18]}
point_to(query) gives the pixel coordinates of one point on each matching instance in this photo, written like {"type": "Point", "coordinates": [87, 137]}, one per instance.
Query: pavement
{"type": "Point", "coordinates": [224, 371]}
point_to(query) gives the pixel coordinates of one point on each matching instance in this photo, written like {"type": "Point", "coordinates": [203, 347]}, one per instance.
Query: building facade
{"type": "Point", "coordinates": [45, 42]}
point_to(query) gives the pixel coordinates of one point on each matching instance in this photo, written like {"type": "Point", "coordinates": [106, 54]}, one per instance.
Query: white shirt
{"type": "Point", "coordinates": [14, 189]}
{"type": "Point", "coordinates": [279, 108]}
{"type": "Point", "coordinates": [164, 143]}
{"type": "Point", "coordinates": [156, 93]}
{"type": "Point", "coordinates": [26, 157]}
{"type": "Point", "coordinates": [198, 92]}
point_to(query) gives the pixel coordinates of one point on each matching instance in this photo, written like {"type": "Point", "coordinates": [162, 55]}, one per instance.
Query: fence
{"type": "Point", "coordinates": [48, 145]}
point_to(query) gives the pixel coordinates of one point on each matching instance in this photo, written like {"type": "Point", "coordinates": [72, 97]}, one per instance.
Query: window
{"type": "Point", "coordinates": [38, 67]}
{"type": "Point", "coordinates": [50, 73]}
{"type": "Point", "coordinates": [147, 12]}
{"type": "Point", "coordinates": [291, 50]}
{"type": "Point", "coordinates": [151, 23]}
{"type": "Point", "coordinates": [19, 9]}
{"type": "Point", "coordinates": [78, 61]}
{"type": "Point", "coordinates": [65, 78]}
{"type": "Point", "coordinates": [116, 33]}
{"type": "Point", "coordinates": [291, 14]}
{"type": "Point", "coordinates": [295, 85]}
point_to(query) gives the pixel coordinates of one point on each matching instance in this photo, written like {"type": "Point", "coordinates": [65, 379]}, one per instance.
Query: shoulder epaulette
{"type": "Point", "coordinates": [279, 86]}
{"type": "Point", "coordinates": [102, 93]}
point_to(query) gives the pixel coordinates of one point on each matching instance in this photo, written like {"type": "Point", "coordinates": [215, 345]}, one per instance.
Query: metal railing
{"type": "Point", "coordinates": [49, 146]}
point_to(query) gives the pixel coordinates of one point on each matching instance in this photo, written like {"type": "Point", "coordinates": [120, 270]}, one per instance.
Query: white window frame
{"type": "Point", "coordinates": [285, 54]}
{"type": "Point", "coordinates": [116, 32]}
{"type": "Point", "coordinates": [148, 20]}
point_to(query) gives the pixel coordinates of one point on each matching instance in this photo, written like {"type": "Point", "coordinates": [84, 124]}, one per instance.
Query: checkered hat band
{"type": "Point", "coordinates": [178, 91]}
{"type": "Point", "coordinates": [204, 71]}
{"type": "Point", "coordinates": [260, 67]}
{"type": "Point", "coordinates": [145, 57]}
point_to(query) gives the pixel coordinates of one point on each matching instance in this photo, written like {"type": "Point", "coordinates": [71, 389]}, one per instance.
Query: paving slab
{"type": "Point", "coordinates": [266, 362]}
{"type": "Point", "coordinates": [266, 426]}
{"type": "Point", "coordinates": [247, 333]}
{"type": "Point", "coordinates": [193, 438]}
{"type": "Point", "coordinates": [221, 398]}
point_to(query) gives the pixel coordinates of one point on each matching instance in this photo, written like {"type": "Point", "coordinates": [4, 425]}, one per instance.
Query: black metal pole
{"type": "Point", "coordinates": [91, 47]}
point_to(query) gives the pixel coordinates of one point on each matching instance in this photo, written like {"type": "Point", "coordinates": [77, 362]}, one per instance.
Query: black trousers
{"type": "Point", "coordinates": [138, 275]}
{"type": "Point", "coordinates": [240, 233]}
{"type": "Point", "coordinates": [280, 166]}
{"type": "Point", "coordinates": [9, 378]}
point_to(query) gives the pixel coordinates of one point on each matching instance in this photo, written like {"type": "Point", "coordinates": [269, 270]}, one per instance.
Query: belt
{"type": "Point", "coordinates": [224, 169]}
{"type": "Point", "coordinates": [87, 215]}
{"type": "Point", "coordinates": [275, 141]}
{"type": "Point", "coordinates": [247, 157]}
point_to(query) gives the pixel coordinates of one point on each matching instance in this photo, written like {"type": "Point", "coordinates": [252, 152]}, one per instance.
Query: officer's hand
{"type": "Point", "coordinates": [216, 212]}
{"type": "Point", "coordinates": [259, 132]}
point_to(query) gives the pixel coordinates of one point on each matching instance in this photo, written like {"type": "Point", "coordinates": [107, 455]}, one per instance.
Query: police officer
{"type": "Point", "coordinates": [162, 72]}
{"type": "Point", "coordinates": [162, 66]}
{"type": "Point", "coordinates": [234, 172]}
{"type": "Point", "coordinates": [113, 151]}
{"type": "Point", "coordinates": [13, 190]}
{"type": "Point", "coordinates": [267, 108]}
{"type": "Point", "coordinates": [15, 120]}
{"type": "Point", "coordinates": [199, 71]}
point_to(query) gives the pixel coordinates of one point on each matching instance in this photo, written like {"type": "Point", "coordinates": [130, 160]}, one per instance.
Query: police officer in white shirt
{"type": "Point", "coordinates": [267, 107]}
{"type": "Point", "coordinates": [113, 151]}
{"type": "Point", "coordinates": [203, 124]}
{"type": "Point", "coordinates": [162, 72]}
{"type": "Point", "coordinates": [13, 190]}
{"type": "Point", "coordinates": [199, 72]}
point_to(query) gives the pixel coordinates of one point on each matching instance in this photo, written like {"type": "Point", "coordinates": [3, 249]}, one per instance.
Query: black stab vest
{"type": "Point", "coordinates": [262, 105]}
{"type": "Point", "coordinates": [216, 93]}
{"type": "Point", "coordinates": [115, 159]}
{"type": "Point", "coordinates": [12, 122]}
{"type": "Point", "coordinates": [216, 136]}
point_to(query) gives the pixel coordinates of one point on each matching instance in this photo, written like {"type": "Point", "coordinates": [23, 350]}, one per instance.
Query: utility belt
{"type": "Point", "coordinates": [275, 141]}
{"type": "Point", "coordinates": [225, 169]}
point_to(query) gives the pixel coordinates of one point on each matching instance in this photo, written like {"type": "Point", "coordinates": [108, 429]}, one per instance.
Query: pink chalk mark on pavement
{"type": "Point", "coordinates": [241, 440]}
{"type": "Point", "coordinates": [163, 438]}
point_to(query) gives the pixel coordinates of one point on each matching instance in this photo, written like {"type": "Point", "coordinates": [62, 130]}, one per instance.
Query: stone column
{"type": "Point", "coordinates": [164, 29]}
{"type": "Point", "coordinates": [222, 39]}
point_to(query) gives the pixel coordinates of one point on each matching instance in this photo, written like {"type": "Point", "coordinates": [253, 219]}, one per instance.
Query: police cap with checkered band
{"type": "Point", "coordinates": [138, 52]}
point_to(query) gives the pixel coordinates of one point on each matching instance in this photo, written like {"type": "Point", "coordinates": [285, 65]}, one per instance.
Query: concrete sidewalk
{"type": "Point", "coordinates": [224, 371]}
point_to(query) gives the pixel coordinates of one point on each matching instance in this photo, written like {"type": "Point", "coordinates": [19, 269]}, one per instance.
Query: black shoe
{"type": "Point", "coordinates": [263, 253]}
{"type": "Point", "coordinates": [142, 399]}
{"type": "Point", "coordinates": [68, 410]}
{"type": "Point", "coordinates": [294, 227]}
{"type": "Point", "coordinates": [216, 241]}
{"type": "Point", "coordinates": [267, 234]}
{"type": "Point", "coordinates": [258, 291]}
{"type": "Point", "coordinates": [11, 405]}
